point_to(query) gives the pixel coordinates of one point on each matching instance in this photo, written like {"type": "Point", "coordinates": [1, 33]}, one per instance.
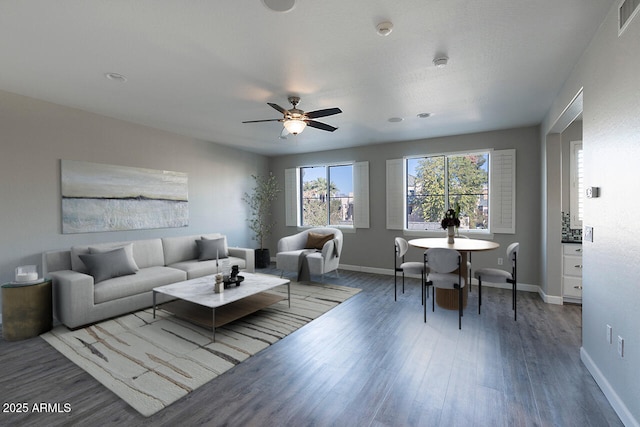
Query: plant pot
{"type": "Point", "coordinates": [262, 258]}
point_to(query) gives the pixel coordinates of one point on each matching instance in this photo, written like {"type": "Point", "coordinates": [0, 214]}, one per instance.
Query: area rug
{"type": "Point", "coordinates": [150, 363]}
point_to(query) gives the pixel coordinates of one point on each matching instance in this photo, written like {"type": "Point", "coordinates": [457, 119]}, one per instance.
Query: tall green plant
{"type": "Point", "coordinates": [260, 221]}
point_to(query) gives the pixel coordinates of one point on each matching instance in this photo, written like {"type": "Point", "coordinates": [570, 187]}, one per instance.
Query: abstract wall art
{"type": "Point", "coordinates": [98, 197]}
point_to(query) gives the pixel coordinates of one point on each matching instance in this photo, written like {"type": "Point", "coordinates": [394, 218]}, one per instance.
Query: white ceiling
{"type": "Point", "coordinates": [199, 68]}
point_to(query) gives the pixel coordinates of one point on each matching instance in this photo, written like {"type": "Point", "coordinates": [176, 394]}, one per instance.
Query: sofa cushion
{"type": "Point", "coordinates": [217, 236]}
{"type": "Point", "coordinates": [146, 253]}
{"type": "Point", "coordinates": [184, 248]}
{"type": "Point", "coordinates": [106, 265]}
{"type": "Point", "coordinates": [317, 241]}
{"type": "Point", "coordinates": [210, 249]}
{"type": "Point", "coordinates": [195, 268]}
{"type": "Point", "coordinates": [143, 281]}
{"type": "Point", "coordinates": [128, 249]}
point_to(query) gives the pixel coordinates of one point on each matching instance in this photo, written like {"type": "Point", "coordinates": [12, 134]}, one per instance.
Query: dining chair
{"type": "Point", "coordinates": [410, 267]}
{"type": "Point", "coordinates": [496, 275]}
{"type": "Point", "coordinates": [443, 264]}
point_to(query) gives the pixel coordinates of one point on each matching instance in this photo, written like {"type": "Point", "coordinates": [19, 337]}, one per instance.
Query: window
{"type": "Point", "coordinates": [576, 191]}
{"type": "Point", "coordinates": [437, 183]}
{"type": "Point", "coordinates": [328, 195]}
{"type": "Point", "coordinates": [420, 189]}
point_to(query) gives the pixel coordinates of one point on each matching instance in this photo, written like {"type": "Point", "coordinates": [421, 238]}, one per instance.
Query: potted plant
{"type": "Point", "coordinates": [451, 219]}
{"type": "Point", "coordinates": [260, 221]}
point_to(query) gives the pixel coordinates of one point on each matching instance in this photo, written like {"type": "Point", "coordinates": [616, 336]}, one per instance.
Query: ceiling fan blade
{"type": "Point", "coordinates": [277, 107]}
{"type": "Point", "coordinates": [323, 113]}
{"type": "Point", "coordinates": [260, 121]}
{"type": "Point", "coordinates": [320, 125]}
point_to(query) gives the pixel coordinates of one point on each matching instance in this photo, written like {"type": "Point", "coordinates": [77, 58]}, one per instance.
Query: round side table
{"type": "Point", "coordinates": [26, 310]}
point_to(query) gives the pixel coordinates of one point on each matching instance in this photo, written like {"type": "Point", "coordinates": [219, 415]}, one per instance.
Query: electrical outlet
{"type": "Point", "coordinates": [500, 261]}
{"type": "Point", "coordinates": [620, 346]}
{"type": "Point", "coordinates": [609, 334]}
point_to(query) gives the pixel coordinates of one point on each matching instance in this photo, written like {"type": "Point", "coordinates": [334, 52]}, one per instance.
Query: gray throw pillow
{"type": "Point", "coordinates": [106, 265]}
{"type": "Point", "coordinates": [211, 249]}
{"type": "Point", "coordinates": [128, 249]}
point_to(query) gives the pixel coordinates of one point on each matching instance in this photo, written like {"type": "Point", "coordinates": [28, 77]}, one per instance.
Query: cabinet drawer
{"type": "Point", "coordinates": [572, 266]}
{"type": "Point", "coordinates": [572, 287]}
{"type": "Point", "coordinates": [572, 249]}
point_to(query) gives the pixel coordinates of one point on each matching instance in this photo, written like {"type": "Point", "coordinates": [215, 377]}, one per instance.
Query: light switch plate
{"type": "Point", "coordinates": [588, 233]}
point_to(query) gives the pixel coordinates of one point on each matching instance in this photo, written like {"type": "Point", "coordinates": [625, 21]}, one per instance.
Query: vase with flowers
{"type": "Point", "coordinates": [450, 222]}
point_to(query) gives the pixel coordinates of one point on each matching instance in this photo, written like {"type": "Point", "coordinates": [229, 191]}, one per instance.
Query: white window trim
{"type": "Point", "coordinates": [502, 191]}
{"type": "Point", "coordinates": [291, 199]}
{"type": "Point", "coordinates": [502, 169]}
{"type": "Point", "coordinates": [360, 196]}
{"type": "Point", "coordinates": [575, 222]}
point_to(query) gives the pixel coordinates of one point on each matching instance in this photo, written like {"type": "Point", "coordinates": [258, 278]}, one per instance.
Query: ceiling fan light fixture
{"type": "Point", "coordinates": [294, 126]}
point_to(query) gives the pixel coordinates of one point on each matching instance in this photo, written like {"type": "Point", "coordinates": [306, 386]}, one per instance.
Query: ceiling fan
{"type": "Point", "coordinates": [295, 120]}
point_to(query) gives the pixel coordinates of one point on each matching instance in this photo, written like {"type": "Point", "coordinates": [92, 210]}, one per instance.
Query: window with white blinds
{"type": "Point", "coordinates": [576, 190]}
{"type": "Point", "coordinates": [502, 202]}
{"type": "Point", "coordinates": [501, 208]}
{"type": "Point", "coordinates": [344, 210]}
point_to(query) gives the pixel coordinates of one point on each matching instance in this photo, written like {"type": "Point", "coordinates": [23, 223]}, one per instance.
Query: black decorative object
{"type": "Point", "coordinates": [234, 279]}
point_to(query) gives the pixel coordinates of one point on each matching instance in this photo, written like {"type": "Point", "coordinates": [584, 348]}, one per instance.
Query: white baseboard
{"type": "Point", "coordinates": [616, 403]}
{"type": "Point", "coordinates": [550, 299]}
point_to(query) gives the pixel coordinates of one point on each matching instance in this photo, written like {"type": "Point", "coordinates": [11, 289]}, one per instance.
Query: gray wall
{"type": "Point", "coordinates": [608, 71]}
{"type": "Point", "coordinates": [373, 247]}
{"type": "Point", "coordinates": [36, 135]}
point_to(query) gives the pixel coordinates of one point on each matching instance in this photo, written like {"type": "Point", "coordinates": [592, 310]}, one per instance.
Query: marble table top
{"type": "Point", "coordinates": [200, 290]}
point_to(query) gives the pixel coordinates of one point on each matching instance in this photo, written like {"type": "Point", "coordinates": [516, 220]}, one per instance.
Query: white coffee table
{"type": "Point", "coordinates": [198, 303]}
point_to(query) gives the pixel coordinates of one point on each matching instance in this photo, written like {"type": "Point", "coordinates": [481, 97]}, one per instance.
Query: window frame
{"type": "Point", "coordinates": [293, 194]}
{"type": "Point", "coordinates": [484, 232]}
{"type": "Point", "coordinates": [576, 188]}
{"type": "Point", "coordinates": [327, 176]}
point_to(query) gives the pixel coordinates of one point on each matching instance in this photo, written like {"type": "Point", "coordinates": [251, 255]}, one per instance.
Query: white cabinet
{"type": "Point", "coordinates": [572, 272]}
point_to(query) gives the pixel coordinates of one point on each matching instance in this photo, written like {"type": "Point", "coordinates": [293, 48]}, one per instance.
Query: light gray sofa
{"type": "Point", "coordinates": [78, 301]}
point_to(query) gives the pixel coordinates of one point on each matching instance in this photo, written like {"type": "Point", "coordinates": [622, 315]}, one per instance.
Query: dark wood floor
{"type": "Point", "coordinates": [369, 362]}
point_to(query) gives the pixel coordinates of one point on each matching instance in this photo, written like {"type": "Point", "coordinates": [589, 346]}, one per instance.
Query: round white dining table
{"type": "Point", "coordinates": [448, 298]}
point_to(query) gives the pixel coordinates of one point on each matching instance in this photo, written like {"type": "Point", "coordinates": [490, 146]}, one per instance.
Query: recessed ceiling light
{"type": "Point", "coordinates": [279, 5]}
{"type": "Point", "coordinates": [384, 28]}
{"type": "Point", "coordinates": [441, 61]}
{"type": "Point", "coordinates": [395, 119]}
{"type": "Point", "coordinates": [424, 115]}
{"type": "Point", "coordinates": [116, 77]}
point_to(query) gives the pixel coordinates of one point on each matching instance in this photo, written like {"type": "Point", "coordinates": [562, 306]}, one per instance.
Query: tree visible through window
{"type": "Point", "coordinates": [436, 183]}
{"type": "Point", "coordinates": [327, 195]}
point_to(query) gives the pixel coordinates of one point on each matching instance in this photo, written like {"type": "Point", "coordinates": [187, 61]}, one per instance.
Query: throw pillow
{"type": "Point", "coordinates": [211, 249]}
{"type": "Point", "coordinates": [217, 236]}
{"type": "Point", "coordinates": [317, 241]}
{"type": "Point", "coordinates": [107, 265]}
{"type": "Point", "coordinates": [128, 249]}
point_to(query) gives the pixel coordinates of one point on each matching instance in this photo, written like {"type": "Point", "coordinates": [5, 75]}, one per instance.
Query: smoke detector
{"type": "Point", "coordinates": [384, 28]}
{"type": "Point", "coordinates": [281, 6]}
{"type": "Point", "coordinates": [440, 62]}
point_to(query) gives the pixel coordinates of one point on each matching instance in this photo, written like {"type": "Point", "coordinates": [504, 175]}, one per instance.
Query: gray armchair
{"type": "Point", "coordinates": [297, 253]}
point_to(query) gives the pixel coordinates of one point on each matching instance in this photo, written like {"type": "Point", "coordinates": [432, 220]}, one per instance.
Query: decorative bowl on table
{"type": "Point", "coordinates": [233, 281]}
